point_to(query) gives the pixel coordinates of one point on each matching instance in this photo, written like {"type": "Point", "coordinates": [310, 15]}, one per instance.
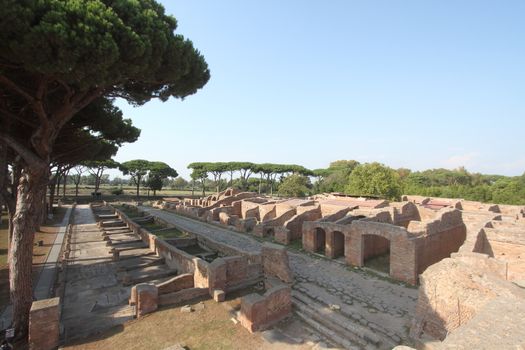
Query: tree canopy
{"type": "Point", "coordinates": [374, 179]}
{"type": "Point", "coordinates": [294, 185]}
{"type": "Point", "coordinates": [155, 172]}
{"type": "Point", "coordinates": [57, 58]}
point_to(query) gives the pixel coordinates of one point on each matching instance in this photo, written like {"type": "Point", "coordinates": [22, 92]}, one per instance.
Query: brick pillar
{"type": "Point", "coordinates": [217, 275]}
{"type": "Point", "coordinates": [44, 320]}
{"type": "Point", "coordinates": [309, 238]}
{"type": "Point", "coordinates": [253, 312]}
{"type": "Point", "coordinates": [147, 296]}
{"type": "Point", "coordinates": [354, 248]}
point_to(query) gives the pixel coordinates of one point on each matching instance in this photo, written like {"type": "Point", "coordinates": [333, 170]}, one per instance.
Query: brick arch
{"type": "Point", "coordinates": [334, 237]}
{"type": "Point", "coordinates": [403, 264]}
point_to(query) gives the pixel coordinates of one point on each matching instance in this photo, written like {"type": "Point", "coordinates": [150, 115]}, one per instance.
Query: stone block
{"type": "Point", "coordinates": [253, 312]}
{"type": "Point", "coordinates": [44, 324]}
{"type": "Point", "coordinates": [219, 295]}
{"type": "Point", "coordinates": [147, 298]}
{"type": "Point", "coordinates": [217, 275]}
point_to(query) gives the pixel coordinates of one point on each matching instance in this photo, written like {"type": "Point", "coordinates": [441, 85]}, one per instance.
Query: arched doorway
{"type": "Point", "coordinates": [338, 244]}
{"type": "Point", "coordinates": [320, 240]}
{"type": "Point", "coordinates": [376, 253]}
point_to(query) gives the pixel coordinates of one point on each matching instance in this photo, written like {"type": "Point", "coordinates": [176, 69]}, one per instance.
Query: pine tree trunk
{"type": "Point", "coordinates": [31, 190]}
{"type": "Point", "coordinates": [52, 188]}
{"type": "Point", "coordinates": [64, 184]}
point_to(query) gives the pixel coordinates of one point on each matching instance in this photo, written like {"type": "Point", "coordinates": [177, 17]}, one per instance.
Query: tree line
{"type": "Point", "coordinates": [267, 172]}
{"type": "Point", "coordinates": [353, 178]}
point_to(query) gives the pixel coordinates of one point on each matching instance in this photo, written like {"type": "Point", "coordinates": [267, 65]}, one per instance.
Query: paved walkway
{"type": "Point", "coordinates": [94, 299]}
{"type": "Point", "coordinates": [378, 301]}
{"type": "Point", "coordinates": [48, 274]}
{"type": "Point", "coordinates": [97, 289]}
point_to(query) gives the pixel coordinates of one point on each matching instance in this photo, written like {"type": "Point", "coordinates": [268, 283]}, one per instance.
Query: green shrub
{"type": "Point", "coordinates": [117, 191]}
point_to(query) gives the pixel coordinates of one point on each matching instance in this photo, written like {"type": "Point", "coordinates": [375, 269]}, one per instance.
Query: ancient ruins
{"type": "Point", "coordinates": [360, 273]}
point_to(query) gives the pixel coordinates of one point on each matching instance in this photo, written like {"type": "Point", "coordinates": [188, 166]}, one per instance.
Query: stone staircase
{"type": "Point", "coordinates": [343, 325]}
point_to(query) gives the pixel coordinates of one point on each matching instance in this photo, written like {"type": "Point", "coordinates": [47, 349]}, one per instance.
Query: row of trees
{"type": "Point", "coordinates": [369, 179]}
{"type": "Point", "coordinates": [61, 66]}
{"type": "Point", "coordinates": [142, 172]}
{"type": "Point", "coordinates": [268, 173]}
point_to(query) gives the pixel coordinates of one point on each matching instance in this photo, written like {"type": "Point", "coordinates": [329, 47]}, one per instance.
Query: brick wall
{"type": "Point", "coordinates": [261, 312]}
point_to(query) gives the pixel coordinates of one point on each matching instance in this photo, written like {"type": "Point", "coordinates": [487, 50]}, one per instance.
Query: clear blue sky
{"type": "Point", "coordinates": [416, 84]}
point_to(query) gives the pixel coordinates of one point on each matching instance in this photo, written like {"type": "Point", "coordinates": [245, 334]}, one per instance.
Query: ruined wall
{"type": "Point", "coordinates": [450, 294]}
{"type": "Point", "coordinates": [275, 262]}
{"type": "Point", "coordinates": [435, 247]}
{"type": "Point", "coordinates": [335, 216]}
{"type": "Point", "coordinates": [295, 224]}
{"type": "Point", "coordinates": [267, 211]}
{"type": "Point", "coordinates": [228, 200]}
{"type": "Point", "coordinates": [404, 212]}
{"type": "Point", "coordinates": [440, 237]}
{"type": "Point", "coordinates": [479, 207]}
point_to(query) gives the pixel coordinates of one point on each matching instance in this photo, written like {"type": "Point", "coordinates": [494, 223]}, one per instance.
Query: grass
{"type": "Point", "coordinates": [173, 233]}
{"type": "Point", "coordinates": [151, 226]}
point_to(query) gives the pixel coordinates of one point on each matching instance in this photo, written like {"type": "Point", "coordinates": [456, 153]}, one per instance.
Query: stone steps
{"type": "Point", "coordinates": [353, 312]}
{"type": "Point", "coordinates": [342, 324]}
{"type": "Point", "coordinates": [325, 331]}
{"type": "Point", "coordinates": [351, 325]}
{"type": "Point", "coordinates": [326, 322]}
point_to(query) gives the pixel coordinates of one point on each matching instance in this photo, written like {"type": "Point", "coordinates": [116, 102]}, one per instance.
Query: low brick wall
{"type": "Point", "coordinates": [183, 296]}
{"type": "Point", "coordinates": [176, 284]}
{"type": "Point", "coordinates": [241, 269]}
{"type": "Point", "coordinates": [259, 312]}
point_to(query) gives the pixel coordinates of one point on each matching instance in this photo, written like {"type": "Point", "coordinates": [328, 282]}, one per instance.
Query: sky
{"type": "Point", "coordinates": [413, 84]}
